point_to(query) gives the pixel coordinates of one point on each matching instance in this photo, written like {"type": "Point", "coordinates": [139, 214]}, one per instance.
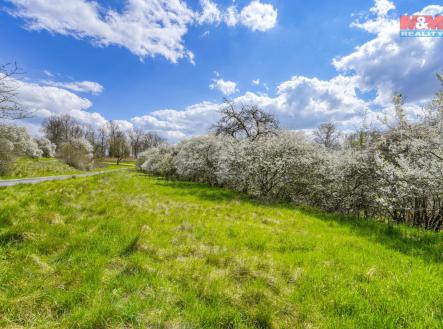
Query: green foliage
{"type": "Point", "coordinates": [77, 153]}
{"type": "Point", "coordinates": [125, 250]}
{"type": "Point", "coordinates": [15, 141]}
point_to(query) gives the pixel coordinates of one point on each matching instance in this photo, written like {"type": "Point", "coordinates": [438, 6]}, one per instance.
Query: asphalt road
{"type": "Point", "coordinates": [36, 180]}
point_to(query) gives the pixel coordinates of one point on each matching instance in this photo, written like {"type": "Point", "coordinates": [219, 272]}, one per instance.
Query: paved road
{"type": "Point", "coordinates": [35, 180]}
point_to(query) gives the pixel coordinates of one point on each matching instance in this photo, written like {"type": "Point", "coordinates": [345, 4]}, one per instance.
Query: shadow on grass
{"type": "Point", "coordinates": [199, 190]}
{"type": "Point", "coordinates": [410, 241]}
{"type": "Point", "coordinates": [8, 238]}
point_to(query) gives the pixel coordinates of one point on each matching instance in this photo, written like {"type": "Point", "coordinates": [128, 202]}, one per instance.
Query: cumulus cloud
{"type": "Point", "coordinates": [226, 87]}
{"type": "Point", "coordinates": [144, 27]}
{"type": "Point", "coordinates": [258, 16]}
{"type": "Point", "coordinates": [176, 125]}
{"type": "Point", "coordinates": [389, 63]}
{"type": "Point", "coordinates": [382, 7]}
{"type": "Point", "coordinates": [210, 13]}
{"type": "Point", "coordinates": [231, 16]}
{"type": "Point", "coordinates": [310, 101]}
{"type": "Point", "coordinates": [301, 103]}
{"type": "Point", "coordinates": [256, 82]}
{"type": "Point", "coordinates": [36, 97]}
{"type": "Point", "coordinates": [44, 101]}
{"type": "Point", "coordinates": [147, 28]}
{"type": "Point", "coordinates": [81, 86]}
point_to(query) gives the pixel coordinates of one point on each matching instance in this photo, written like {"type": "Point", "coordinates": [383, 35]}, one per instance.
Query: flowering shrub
{"type": "Point", "coordinates": [158, 161]}
{"type": "Point", "coordinates": [46, 146]}
{"type": "Point", "coordinates": [394, 174]}
{"type": "Point", "coordinates": [15, 141]}
{"type": "Point", "coordinates": [399, 175]}
{"type": "Point", "coordinates": [410, 163]}
{"type": "Point", "coordinates": [198, 159]}
{"type": "Point", "coordinates": [78, 152]}
{"type": "Point", "coordinates": [273, 167]}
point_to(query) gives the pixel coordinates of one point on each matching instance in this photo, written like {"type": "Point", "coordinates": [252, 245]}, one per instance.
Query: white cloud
{"type": "Point", "coordinates": [382, 7]}
{"type": "Point", "coordinates": [431, 10]}
{"type": "Point", "coordinates": [144, 27]}
{"type": "Point", "coordinates": [303, 102]}
{"type": "Point", "coordinates": [49, 74]}
{"type": "Point", "coordinates": [256, 82]}
{"type": "Point", "coordinates": [315, 100]}
{"type": "Point", "coordinates": [176, 125]}
{"type": "Point", "coordinates": [226, 87]}
{"type": "Point", "coordinates": [231, 16]}
{"type": "Point", "coordinates": [389, 63]}
{"type": "Point", "coordinates": [81, 86]}
{"type": "Point", "coordinates": [36, 97]}
{"type": "Point", "coordinates": [147, 28]}
{"type": "Point", "coordinates": [204, 34]}
{"type": "Point", "coordinates": [210, 13]}
{"type": "Point", "coordinates": [124, 125]}
{"type": "Point", "coordinates": [258, 16]}
{"type": "Point", "coordinates": [45, 101]}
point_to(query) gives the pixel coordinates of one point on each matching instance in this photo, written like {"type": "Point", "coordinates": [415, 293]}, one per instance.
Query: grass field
{"type": "Point", "coordinates": [124, 250]}
{"type": "Point", "coordinates": [26, 167]}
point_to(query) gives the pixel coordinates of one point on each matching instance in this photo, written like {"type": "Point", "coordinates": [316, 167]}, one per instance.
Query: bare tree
{"type": "Point", "coordinates": [96, 138]}
{"type": "Point", "coordinates": [10, 107]}
{"type": "Point", "coordinates": [61, 129]}
{"type": "Point", "coordinates": [118, 143]}
{"type": "Point", "coordinates": [141, 140]}
{"type": "Point", "coordinates": [135, 139]}
{"type": "Point", "coordinates": [327, 135]}
{"type": "Point", "coordinates": [245, 121]}
{"type": "Point", "coordinates": [102, 142]}
{"type": "Point", "coordinates": [150, 140]}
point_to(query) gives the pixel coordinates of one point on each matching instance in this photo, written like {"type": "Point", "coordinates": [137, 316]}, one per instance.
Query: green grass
{"type": "Point", "coordinates": [125, 162]}
{"type": "Point", "coordinates": [26, 167]}
{"type": "Point", "coordinates": [124, 250]}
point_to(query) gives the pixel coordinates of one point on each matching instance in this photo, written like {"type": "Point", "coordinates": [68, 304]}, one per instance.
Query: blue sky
{"type": "Point", "coordinates": [292, 57]}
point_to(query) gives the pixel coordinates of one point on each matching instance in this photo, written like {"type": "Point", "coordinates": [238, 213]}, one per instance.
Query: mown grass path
{"type": "Point", "coordinates": [125, 250]}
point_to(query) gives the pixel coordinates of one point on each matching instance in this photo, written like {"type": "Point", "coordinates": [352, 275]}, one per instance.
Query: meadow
{"type": "Point", "coordinates": [25, 167]}
{"type": "Point", "coordinates": [126, 250]}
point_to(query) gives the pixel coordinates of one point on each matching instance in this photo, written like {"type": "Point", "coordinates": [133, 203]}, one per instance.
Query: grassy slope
{"type": "Point", "coordinates": [125, 250]}
{"type": "Point", "coordinates": [27, 167]}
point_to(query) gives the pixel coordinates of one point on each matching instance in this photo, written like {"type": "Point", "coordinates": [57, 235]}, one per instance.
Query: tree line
{"type": "Point", "coordinates": [108, 140]}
